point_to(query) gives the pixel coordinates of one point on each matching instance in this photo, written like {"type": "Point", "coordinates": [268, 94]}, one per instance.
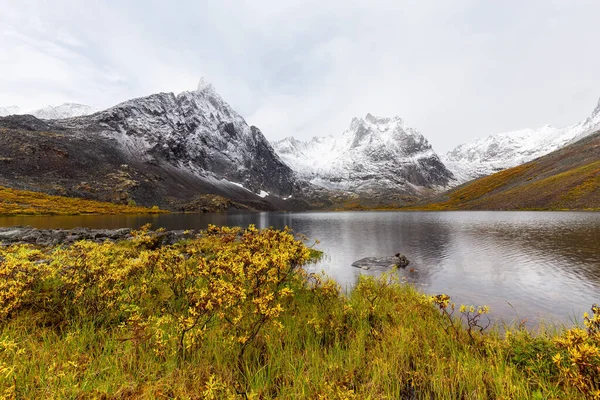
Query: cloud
{"type": "Point", "coordinates": [454, 70]}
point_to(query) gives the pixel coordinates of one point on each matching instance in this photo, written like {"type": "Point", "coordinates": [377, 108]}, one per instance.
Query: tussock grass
{"type": "Point", "coordinates": [22, 202]}
{"type": "Point", "coordinates": [231, 314]}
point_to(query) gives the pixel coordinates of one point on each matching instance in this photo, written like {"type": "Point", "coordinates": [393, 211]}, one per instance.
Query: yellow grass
{"type": "Point", "coordinates": [22, 202]}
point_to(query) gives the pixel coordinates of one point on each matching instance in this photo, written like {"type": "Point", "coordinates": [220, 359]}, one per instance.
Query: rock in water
{"type": "Point", "coordinates": [399, 260]}
{"type": "Point", "coordinates": [402, 260]}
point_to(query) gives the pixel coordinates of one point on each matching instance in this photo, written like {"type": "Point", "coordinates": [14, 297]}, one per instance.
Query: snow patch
{"type": "Point", "coordinates": [236, 184]}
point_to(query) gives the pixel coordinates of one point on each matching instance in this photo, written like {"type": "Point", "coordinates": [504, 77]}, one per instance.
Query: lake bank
{"type": "Point", "coordinates": [132, 319]}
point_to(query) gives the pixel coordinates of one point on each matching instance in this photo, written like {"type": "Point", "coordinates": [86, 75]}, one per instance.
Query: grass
{"type": "Point", "coordinates": [527, 187]}
{"type": "Point", "coordinates": [231, 314]}
{"type": "Point", "coordinates": [21, 202]}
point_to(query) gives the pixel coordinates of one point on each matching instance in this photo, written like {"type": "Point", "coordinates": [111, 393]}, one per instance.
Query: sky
{"type": "Point", "coordinates": [455, 70]}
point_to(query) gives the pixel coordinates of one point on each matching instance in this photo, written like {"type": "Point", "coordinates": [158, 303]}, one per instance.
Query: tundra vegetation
{"type": "Point", "coordinates": [232, 313]}
{"type": "Point", "coordinates": [23, 202]}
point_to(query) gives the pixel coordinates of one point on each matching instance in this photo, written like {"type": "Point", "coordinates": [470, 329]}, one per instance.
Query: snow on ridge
{"type": "Point", "coordinates": [203, 84]}
{"type": "Point", "coordinates": [66, 110]}
{"type": "Point", "coordinates": [10, 110]}
{"type": "Point", "coordinates": [497, 152]}
{"type": "Point", "coordinates": [373, 152]}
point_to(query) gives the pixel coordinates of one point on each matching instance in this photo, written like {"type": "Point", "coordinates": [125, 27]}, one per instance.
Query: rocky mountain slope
{"type": "Point", "coordinates": [567, 178]}
{"type": "Point", "coordinates": [497, 152]}
{"type": "Point", "coordinates": [373, 157]}
{"type": "Point", "coordinates": [163, 150]}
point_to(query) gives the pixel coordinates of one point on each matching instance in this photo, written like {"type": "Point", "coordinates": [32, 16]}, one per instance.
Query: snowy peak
{"type": "Point", "coordinates": [388, 135]}
{"type": "Point", "coordinates": [203, 84]}
{"type": "Point", "coordinates": [509, 149]}
{"type": "Point", "coordinates": [373, 154]}
{"type": "Point", "coordinates": [66, 110]}
{"type": "Point", "coordinates": [596, 111]}
{"type": "Point", "coordinates": [10, 110]}
{"type": "Point", "coordinates": [196, 132]}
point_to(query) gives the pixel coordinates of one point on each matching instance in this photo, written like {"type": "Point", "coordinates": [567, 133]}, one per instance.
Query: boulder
{"type": "Point", "coordinates": [398, 261]}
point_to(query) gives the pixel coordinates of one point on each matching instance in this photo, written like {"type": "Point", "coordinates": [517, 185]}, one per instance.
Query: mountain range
{"type": "Point", "coordinates": [384, 155]}
{"type": "Point", "coordinates": [192, 151]}
{"type": "Point", "coordinates": [66, 110]}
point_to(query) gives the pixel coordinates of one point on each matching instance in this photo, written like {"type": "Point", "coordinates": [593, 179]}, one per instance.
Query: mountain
{"type": "Point", "coordinates": [373, 157]}
{"type": "Point", "coordinates": [568, 178]}
{"type": "Point", "coordinates": [66, 110]}
{"type": "Point", "coordinates": [10, 110]}
{"type": "Point", "coordinates": [165, 149]}
{"type": "Point", "coordinates": [497, 152]}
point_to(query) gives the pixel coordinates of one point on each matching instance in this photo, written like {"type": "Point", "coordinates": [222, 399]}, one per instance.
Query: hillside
{"type": "Point", "coordinates": [22, 202]}
{"type": "Point", "coordinates": [568, 178]}
{"type": "Point", "coordinates": [494, 153]}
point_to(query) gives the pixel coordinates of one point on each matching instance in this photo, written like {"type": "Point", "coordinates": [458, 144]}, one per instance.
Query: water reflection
{"type": "Point", "coordinates": [533, 264]}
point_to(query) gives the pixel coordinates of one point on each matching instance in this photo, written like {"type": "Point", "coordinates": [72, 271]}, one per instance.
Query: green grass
{"type": "Point", "coordinates": [382, 340]}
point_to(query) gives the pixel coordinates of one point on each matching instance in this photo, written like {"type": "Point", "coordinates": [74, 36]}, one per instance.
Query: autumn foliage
{"type": "Point", "coordinates": [234, 313]}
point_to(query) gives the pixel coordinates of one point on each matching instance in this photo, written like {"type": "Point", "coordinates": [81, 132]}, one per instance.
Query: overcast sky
{"type": "Point", "coordinates": [455, 70]}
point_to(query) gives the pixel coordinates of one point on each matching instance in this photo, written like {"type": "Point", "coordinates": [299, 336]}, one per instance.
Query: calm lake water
{"type": "Point", "coordinates": [524, 265]}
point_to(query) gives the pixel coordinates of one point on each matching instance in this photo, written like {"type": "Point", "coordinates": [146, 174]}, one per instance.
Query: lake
{"type": "Point", "coordinates": [524, 265]}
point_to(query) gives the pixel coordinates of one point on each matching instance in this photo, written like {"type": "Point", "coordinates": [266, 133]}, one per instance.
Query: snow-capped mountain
{"type": "Point", "coordinates": [505, 150]}
{"type": "Point", "coordinates": [66, 110]}
{"type": "Point", "coordinates": [10, 110]}
{"type": "Point", "coordinates": [196, 132]}
{"type": "Point", "coordinates": [373, 154]}
{"type": "Point", "coordinates": [587, 126]}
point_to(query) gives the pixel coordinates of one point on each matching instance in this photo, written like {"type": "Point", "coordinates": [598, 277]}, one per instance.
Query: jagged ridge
{"type": "Point", "coordinates": [497, 152]}
{"type": "Point", "coordinates": [373, 154]}
{"type": "Point", "coordinates": [162, 149]}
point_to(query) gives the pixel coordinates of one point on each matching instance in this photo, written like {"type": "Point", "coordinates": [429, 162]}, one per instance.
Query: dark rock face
{"type": "Point", "coordinates": [27, 122]}
{"type": "Point", "coordinates": [398, 261]}
{"type": "Point", "coordinates": [53, 237]}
